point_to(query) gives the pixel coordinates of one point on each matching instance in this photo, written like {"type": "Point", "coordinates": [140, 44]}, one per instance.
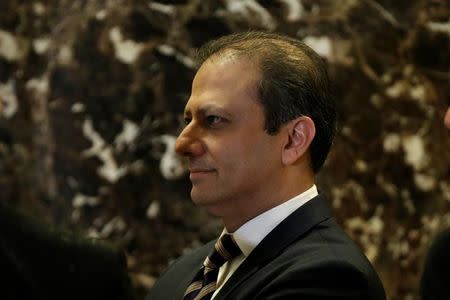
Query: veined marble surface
{"type": "Point", "coordinates": [93, 93]}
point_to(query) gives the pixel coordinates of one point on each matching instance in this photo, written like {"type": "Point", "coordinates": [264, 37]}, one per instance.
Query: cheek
{"type": "Point", "coordinates": [233, 159]}
{"type": "Point", "coordinates": [252, 159]}
{"type": "Point", "coordinates": [243, 155]}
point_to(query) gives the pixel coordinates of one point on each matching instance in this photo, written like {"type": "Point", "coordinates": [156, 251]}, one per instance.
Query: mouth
{"type": "Point", "coordinates": [196, 173]}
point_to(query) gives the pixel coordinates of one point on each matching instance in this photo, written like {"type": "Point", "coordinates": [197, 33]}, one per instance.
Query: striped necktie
{"type": "Point", "coordinates": [204, 283]}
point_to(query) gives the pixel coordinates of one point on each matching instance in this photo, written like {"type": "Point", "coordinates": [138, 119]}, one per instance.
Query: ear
{"type": "Point", "coordinates": [301, 132]}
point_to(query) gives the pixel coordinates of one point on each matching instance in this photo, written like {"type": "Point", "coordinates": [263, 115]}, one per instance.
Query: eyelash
{"type": "Point", "coordinates": [209, 120]}
{"type": "Point", "coordinates": [212, 119]}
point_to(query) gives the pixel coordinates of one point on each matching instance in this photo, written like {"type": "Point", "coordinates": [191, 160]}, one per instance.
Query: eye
{"type": "Point", "coordinates": [187, 120]}
{"type": "Point", "coordinates": [213, 120]}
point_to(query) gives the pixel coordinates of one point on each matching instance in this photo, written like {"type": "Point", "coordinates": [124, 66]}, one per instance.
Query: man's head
{"type": "Point", "coordinates": [294, 82]}
{"type": "Point", "coordinates": [258, 102]}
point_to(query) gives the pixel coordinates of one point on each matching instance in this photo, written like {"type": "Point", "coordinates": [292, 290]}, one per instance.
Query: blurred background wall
{"type": "Point", "coordinates": [93, 93]}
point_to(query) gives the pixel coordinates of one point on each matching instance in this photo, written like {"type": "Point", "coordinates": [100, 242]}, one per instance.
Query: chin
{"type": "Point", "coordinates": [209, 203]}
{"type": "Point", "coordinates": [200, 198]}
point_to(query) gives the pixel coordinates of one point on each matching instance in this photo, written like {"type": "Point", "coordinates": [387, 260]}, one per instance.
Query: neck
{"type": "Point", "coordinates": [242, 211]}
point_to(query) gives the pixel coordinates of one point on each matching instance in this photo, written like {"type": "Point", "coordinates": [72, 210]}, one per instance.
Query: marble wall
{"type": "Point", "coordinates": [93, 92]}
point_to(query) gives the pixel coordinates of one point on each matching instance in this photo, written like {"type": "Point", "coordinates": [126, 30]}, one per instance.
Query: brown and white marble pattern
{"type": "Point", "coordinates": [93, 92]}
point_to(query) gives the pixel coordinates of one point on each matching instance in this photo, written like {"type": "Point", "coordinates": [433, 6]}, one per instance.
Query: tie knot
{"type": "Point", "coordinates": [225, 249]}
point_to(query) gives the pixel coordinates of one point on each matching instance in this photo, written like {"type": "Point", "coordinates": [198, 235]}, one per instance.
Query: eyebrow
{"type": "Point", "coordinates": [205, 109]}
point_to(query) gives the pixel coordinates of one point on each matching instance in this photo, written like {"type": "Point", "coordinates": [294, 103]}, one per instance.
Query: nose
{"type": "Point", "coordinates": [189, 143]}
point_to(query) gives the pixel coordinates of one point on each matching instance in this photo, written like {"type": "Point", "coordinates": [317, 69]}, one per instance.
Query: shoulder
{"type": "Point", "coordinates": [324, 263]}
{"type": "Point", "coordinates": [37, 242]}
{"type": "Point", "coordinates": [41, 261]}
{"type": "Point", "coordinates": [329, 279]}
{"type": "Point", "coordinates": [328, 242]}
{"type": "Point", "coordinates": [441, 243]}
{"type": "Point", "coordinates": [437, 257]}
{"type": "Point", "coordinates": [435, 282]}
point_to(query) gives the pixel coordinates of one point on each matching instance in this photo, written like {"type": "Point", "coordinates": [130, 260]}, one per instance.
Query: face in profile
{"type": "Point", "coordinates": [231, 157]}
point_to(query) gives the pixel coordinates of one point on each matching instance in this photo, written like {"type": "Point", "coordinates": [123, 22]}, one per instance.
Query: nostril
{"type": "Point", "coordinates": [188, 147]}
{"type": "Point", "coordinates": [180, 146]}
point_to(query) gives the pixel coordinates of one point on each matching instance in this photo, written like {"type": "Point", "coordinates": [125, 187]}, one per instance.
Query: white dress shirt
{"type": "Point", "coordinates": [249, 235]}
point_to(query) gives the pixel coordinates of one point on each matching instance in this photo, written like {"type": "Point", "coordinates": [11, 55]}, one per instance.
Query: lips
{"type": "Point", "coordinates": [199, 173]}
{"type": "Point", "coordinates": [197, 170]}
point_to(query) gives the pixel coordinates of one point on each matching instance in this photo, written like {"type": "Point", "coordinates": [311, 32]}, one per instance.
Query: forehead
{"type": "Point", "coordinates": [225, 81]}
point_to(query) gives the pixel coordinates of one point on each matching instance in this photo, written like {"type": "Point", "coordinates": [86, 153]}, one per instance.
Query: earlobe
{"type": "Point", "coordinates": [301, 132]}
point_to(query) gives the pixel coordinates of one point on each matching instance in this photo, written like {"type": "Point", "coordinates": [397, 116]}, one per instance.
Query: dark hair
{"type": "Point", "coordinates": [294, 82]}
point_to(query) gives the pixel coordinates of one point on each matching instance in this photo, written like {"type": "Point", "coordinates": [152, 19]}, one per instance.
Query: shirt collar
{"type": "Point", "coordinates": [250, 234]}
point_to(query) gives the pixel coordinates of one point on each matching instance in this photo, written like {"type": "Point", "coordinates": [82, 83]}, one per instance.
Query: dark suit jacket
{"type": "Point", "coordinates": [307, 256]}
{"type": "Point", "coordinates": [37, 263]}
{"type": "Point", "coordinates": [435, 282]}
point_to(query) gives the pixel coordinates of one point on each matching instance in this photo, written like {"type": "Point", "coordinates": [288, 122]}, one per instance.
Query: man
{"type": "Point", "coordinates": [435, 281]}
{"type": "Point", "coordinates": [259, 124]}
{"type": "Point", "coordinates": [39, 263]}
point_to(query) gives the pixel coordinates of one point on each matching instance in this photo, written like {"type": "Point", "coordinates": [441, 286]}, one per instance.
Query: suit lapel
{"type": "Point", "coordinates": [289, 230]}
{"type": "Point", "coordinates": [192, 269]}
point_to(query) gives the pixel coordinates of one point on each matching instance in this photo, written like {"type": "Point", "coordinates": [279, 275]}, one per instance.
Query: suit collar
{"type": "Point", "coordinates": [194, 265]}
{"type": "Point", "coordinates": [288, 231]}
{"type": "Point", "coordinates": [250, 234]}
